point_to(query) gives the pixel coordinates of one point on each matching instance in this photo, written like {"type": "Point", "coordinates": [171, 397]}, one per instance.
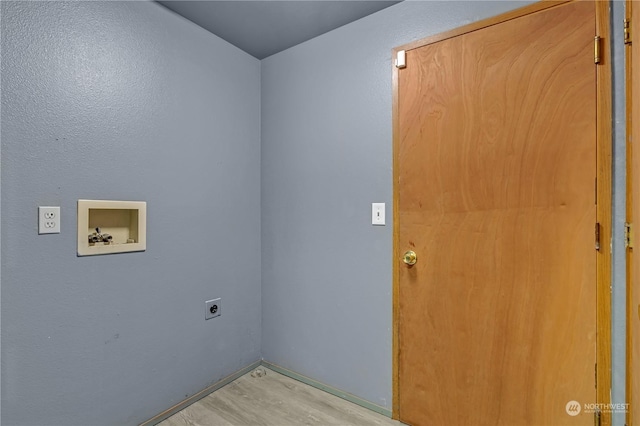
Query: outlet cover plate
{"type": "Point", "coordinates": [212, 308]}
{"type": "Point", "coordinates": [48, 220]}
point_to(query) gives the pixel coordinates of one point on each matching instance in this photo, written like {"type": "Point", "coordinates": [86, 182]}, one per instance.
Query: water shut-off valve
{"type": "Point", "coordinates": [99, 237]}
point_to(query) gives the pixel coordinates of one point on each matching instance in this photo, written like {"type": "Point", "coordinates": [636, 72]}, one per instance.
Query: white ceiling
{"type": "Point", "coordinates": [262, 28]}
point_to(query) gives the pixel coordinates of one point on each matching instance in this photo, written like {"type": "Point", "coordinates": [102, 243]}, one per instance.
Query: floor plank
{"type": "Point", "coordinates": [274, 400]}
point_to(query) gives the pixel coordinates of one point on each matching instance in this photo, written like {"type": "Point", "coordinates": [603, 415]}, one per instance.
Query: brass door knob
{"type": "Point", "coordinates": [410, 257]}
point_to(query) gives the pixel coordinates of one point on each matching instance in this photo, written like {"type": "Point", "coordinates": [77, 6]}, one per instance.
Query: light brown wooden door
{"type": "Point", "coordinates": [496, 170]}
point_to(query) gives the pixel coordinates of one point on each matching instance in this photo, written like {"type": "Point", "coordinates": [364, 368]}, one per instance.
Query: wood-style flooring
{"type": "Point", "coordinates": [274, 400]}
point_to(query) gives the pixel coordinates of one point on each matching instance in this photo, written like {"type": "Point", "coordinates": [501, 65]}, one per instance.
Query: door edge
{"type": "Point", "coordinates": [604, 140]}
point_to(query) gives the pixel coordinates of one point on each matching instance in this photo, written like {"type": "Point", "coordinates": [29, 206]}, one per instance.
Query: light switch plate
{"type": "Point", "coordinates": [377, 214]}
{"type": "Point", "coordinates": [48, 220]}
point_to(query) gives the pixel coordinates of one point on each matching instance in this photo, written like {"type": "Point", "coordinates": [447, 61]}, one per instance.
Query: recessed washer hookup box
{"type": "Point", "coordinates": [107, 226]}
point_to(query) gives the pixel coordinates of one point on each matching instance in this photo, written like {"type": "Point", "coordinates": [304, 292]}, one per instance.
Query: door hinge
{"type": "Point", "coordinates": [597, 418]}
{"type": "Point", "coordinates": [596, 49]}
{"type": "Point", "coordinates": [595, 369]}
{"type": "Point", "coordinates": [628, 235]}
{"type": "Point", "coordinates": [401, 59]}
{"type": "Point", "coordinates": [627, 31]}
{"type": "Point", "coordinates": [597, 236]}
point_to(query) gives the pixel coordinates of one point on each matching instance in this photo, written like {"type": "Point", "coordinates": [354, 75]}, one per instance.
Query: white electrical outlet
{"type": "Point", "coordinates": [48, 220]}
{"type": "Point", "coordinates": [213, 308]}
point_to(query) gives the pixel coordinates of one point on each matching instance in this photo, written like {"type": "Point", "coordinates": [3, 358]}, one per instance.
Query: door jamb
{"type": "Point", "coordinates": [603, 194]}
{"type": "Point", "coordinates": [630, 278]}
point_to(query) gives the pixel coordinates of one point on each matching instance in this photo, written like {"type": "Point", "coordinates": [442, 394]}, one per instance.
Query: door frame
{"type": "Point", "coordinates": [603, 192]}
{"type": "Point", "coordinates": [632, 296]}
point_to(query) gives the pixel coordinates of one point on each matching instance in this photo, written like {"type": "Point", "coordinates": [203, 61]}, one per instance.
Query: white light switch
{"type": "Point", "coordinates": [48, 220]}
{"type": "Point", "coordinates": [377, 213]}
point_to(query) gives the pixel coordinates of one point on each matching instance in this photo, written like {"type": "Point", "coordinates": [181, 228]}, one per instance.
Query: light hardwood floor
{"type": "Point", "coordinates": [276, 400]}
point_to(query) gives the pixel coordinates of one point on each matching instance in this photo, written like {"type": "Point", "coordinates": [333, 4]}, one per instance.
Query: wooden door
{"type": "Point", "coordinates": [495, 161]}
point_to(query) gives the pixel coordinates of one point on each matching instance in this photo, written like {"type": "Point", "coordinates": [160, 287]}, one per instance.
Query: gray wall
{"type": "Point", "coordinates": [169, 114]}
{"type": "Point", "coordinates": [618, 293]}
{"type": "Point", "coordinates": [326, 155]}
{"type": "Point", "coordinates": [176, 113]}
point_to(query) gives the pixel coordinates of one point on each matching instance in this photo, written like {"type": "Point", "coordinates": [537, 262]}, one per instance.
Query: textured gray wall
{"type": "Point", "coordinates": [176, 111]}
{"type": "Point", "coordinates": [326, 138]}
{"type": "Point", "coordinates": [618, 289]}
{"type": "Point", "coordinates": [171, 115]}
